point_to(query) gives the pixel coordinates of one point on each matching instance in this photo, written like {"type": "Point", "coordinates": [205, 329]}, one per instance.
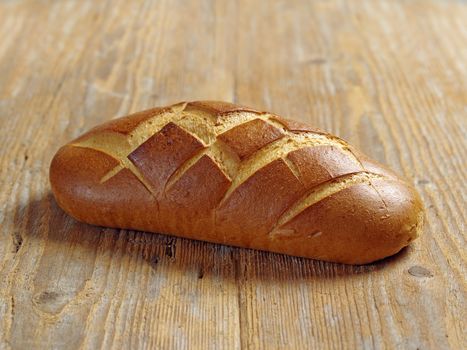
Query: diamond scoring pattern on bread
{"type": "Point", "coordinates": [208, 128]}
{"type": "Point", "coordinates": [228, 174]}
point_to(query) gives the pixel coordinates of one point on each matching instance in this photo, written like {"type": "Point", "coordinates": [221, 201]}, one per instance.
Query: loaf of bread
{"type": "Point", "coordinates": [223, 173]}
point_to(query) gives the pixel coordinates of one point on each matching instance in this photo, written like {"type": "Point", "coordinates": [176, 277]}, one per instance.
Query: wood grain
{"type": "Point", "coordinates": [388, 76]}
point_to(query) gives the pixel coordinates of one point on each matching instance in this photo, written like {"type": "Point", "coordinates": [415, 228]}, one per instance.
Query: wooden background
{"type": "Point", "coordinates": [388, 76]}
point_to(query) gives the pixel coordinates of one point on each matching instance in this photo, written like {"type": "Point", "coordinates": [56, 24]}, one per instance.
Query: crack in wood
{"type": "Point", "coordinates": [17, 238]}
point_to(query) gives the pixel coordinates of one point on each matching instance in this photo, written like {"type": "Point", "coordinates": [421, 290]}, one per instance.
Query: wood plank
{"type": "Point", "coordinates": [388, 76]}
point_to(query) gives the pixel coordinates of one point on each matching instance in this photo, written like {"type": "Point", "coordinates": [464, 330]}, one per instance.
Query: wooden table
{"type": "Point", "coordinates": [388, 76]}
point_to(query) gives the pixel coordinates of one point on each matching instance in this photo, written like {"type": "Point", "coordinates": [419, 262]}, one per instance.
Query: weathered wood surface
{"type": "Point", "coordinates": [388, 76]}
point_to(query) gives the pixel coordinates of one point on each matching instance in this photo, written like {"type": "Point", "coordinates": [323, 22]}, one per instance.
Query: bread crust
{"type": "Point", "coordinates": [229, 174]}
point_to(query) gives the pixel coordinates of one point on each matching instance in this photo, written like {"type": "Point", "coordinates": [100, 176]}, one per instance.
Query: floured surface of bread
{"type": "Point", "coordinates": [224, 173]}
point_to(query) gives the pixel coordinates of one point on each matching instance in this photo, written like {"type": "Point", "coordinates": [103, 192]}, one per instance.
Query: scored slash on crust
{"type": "Point", "coordinates": [317, 194]}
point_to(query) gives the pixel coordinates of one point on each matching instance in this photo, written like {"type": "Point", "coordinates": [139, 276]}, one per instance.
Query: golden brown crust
{"type": "Point", "coordinates": [266, 194]}
{"type": "Point", "coordinates": [75, 175]}
{"type": "Point", "coordinates": [295, 126]}
{"type": "Point", "coordinates": [218, 107]}
{"type": "Point", "coordinates": [189, 201]}
{"type": "Point", "coordinates": [156, 157]}
{"type": "Point", "coordinates": [320, 164]}
{"type": "Point", "coordinates": [371, 221]}
{"type": "Point", "coordinates": [224, 173]}
{"type": "Point", "coordinates": [249, 137]}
